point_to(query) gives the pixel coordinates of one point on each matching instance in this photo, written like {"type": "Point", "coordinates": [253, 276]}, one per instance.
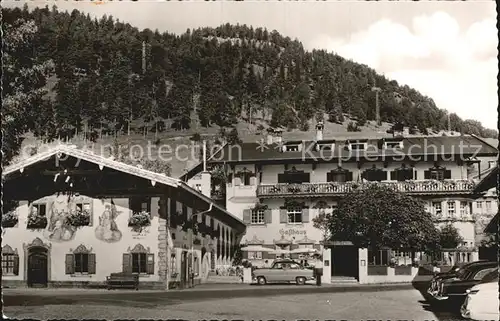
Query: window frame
{"type": "Point", "coordinates": [8, 258]}
{"type": "Point", "coordinates": [254, 255]}
{"type": "Point", "coordinates": [259, 215]}
{"type": "Point", "coordinates": [463, 208]}
{"type": "Point", "coordinates": [37, 206]}
{"type": "Point", "coordinates": [82, 265]}
{"type": "Point", "coordinates": [436, 174]}
{"type": "Point", "coordinates": [138, 255]}
{"type": "Point", "coordinates": [142, 204]}
{"type": "Point", "coordinates": [451, 211]}
{"type": "Point", "coordinates": [293, 212]}
{"type": "Point", "coordinates": [434, 208]}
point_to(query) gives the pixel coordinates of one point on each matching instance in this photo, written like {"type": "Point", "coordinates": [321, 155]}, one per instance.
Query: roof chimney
{"type": "Point", "coordinates": [269, 137]}
{"type": "Point", "coordinates": [319, 131]}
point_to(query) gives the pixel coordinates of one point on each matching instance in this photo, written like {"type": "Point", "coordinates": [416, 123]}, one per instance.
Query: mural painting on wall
{"type": "Point", "coordinates": [107, 230]}
{"type": "Point", "coordinates": [58, 229]}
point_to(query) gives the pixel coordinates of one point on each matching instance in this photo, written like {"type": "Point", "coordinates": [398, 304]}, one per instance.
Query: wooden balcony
{"type": "Point", "coordinates": [428, 187]}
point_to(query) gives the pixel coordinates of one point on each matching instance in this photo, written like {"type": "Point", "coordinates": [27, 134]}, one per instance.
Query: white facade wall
{"type": "Point", "coordinates": [108, 252]}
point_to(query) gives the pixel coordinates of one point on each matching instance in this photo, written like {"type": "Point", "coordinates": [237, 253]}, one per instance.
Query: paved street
{"type": "Point", "coordinates": [252, 303]}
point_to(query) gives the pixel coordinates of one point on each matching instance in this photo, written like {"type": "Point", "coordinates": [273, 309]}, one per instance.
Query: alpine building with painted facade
{"type": "Point", "coordinates": [278, 186]}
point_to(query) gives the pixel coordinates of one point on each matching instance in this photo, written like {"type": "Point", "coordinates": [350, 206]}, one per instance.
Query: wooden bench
{"type": "Point", "coordinates": [122, 280]}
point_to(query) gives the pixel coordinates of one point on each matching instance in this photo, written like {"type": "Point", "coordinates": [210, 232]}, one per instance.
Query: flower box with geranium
{"type": "Point", "coordinates": [139, 220]}
{"type": "Point", "coordinates": [78, 218]}
{"type": "Point", "coordinates": [9, 219]}
{"type": "Point", "coordinates": [36, 221]}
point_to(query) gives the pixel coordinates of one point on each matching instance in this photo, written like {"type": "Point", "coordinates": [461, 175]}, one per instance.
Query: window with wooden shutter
{"type": "Point", "coordinates": [92, 263]}
{"type": "Point", "coordinates": [281, 178]}
{"type": "Point", "coordinates": [150, 268]}
{"type": "Point", "coordinates": [16, 264]}
{"type": "Point", "coordinates": [70, 265]}
{"type": "Point", "coordinates": [348, 176]}
{"type": "Point", "coordinates": [447, 174]}
{"type": "Point", "coordinates": [394, 176]}
{"type": "Point", "coordinates": [283, 216]}
{"type": "Point", "coordinates": [247, 216]}
{"type": "Point", "coordinates": [127, 263]}
{"type": "Point", "coordinates": [305, 215]}
{"type": "Point", "coordinates": [427, 174]}
{"type": "Point", "coordinates": [268, 214]}
{"type": "Point", "coordinates": [10, 261]}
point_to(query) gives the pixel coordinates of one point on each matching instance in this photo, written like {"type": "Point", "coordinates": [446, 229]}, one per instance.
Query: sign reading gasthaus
{"type": "Point", "coordinates": [292, 232]}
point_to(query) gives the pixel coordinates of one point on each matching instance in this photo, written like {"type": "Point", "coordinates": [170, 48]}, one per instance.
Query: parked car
{"type": "Point", "coordinates": [454, 290]}
{"type": "Point", "coordinates": [457, 270]}
{"type": "Point", "coordinates": [283, 271]}
{"type": "Point", "coordinates": [482, 300]}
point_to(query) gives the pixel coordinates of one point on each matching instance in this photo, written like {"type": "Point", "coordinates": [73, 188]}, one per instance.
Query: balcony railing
{"type": "Point", "coordinates": [428, 187]}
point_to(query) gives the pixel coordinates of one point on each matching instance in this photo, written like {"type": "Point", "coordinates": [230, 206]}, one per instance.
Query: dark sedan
{"type": "Point", "coordinates": [455, 271]}
{"type": "Point", "coordinates": [454, 289]}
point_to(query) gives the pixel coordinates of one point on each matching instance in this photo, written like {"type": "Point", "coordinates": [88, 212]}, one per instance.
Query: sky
{"type": "Point", "coordinates": [447, 50]}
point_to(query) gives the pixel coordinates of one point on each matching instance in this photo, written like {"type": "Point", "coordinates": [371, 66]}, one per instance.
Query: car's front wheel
{"type": "Point", "coordinates": [261, 280]}
{"type": "Point", "coordinates": [301, 280]}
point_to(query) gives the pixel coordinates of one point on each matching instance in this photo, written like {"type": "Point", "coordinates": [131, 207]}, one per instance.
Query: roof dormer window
{"type": "Point", "coordinates": [325, 145]}
{"type": "Point", "coordinates": [292, 147]}
{"type": "Point", "coordinates": [358, 146]}
{"type": "Point", "coordinates": [394, 144]}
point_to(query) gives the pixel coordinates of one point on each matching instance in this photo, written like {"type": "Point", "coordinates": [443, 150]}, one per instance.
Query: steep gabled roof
{"type": "Point", "coordinates": [414, 146]}
{"type": "Point", "coordinates": [91, 157]}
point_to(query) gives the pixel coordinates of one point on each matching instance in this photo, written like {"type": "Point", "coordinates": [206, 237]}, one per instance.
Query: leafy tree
{"type": "Point", "coordinates": [24, 80]}
{"type": "Point", "coordinates": [233, 138]}
{"type": "Point", "coordinates": [449, 237]}
{"type": "Point", "coordinates": [377, 216]}
{"type": "Point", "coordinates": [100, 85]}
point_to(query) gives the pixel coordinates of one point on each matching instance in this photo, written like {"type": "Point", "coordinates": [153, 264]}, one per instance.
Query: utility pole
{"type": "Point", "coordinates": [377, 106]}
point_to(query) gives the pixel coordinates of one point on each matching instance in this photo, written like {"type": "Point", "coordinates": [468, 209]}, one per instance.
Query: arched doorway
{"type": "Point", "coordinates": [212, 260]}
{"type": "Point", "coordinates": [183, 268]}
{"type": "Point", "coordinates": [37, 267]}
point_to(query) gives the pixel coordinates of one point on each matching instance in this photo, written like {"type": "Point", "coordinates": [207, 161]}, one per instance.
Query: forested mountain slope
{"type": "Point", "coordinates": [66, 73]}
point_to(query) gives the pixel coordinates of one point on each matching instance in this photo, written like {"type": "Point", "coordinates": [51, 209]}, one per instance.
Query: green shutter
{"type": "Point", "coordinates": [150, 264]}
{"type": "Point", "coordinates": [16, 264]}
{"type": "Point", "coordinates": [92, 263]}
{"type": "Point", "coordinates": [127, 263]}
{"type": "Point", "coordinates": [305, 215]}
{"type": "Point", "coordinates": [70, 264]}
{"type": "Point", "coordinates": [283, 216]}
{"type": "Point", "coordinates": [268, 216]}
{"type": "Point", "coordinates": [247, 216]}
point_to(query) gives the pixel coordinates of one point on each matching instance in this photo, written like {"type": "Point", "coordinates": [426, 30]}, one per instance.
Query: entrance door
{"type": "Point", "coordinates": [212, 260]}
{"type": "Point", "coordinates": [345, 260]}
{"type": "Point", "coordinates": [37, 267]}
{"type": "Point", "coordinates": [183, 268]}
